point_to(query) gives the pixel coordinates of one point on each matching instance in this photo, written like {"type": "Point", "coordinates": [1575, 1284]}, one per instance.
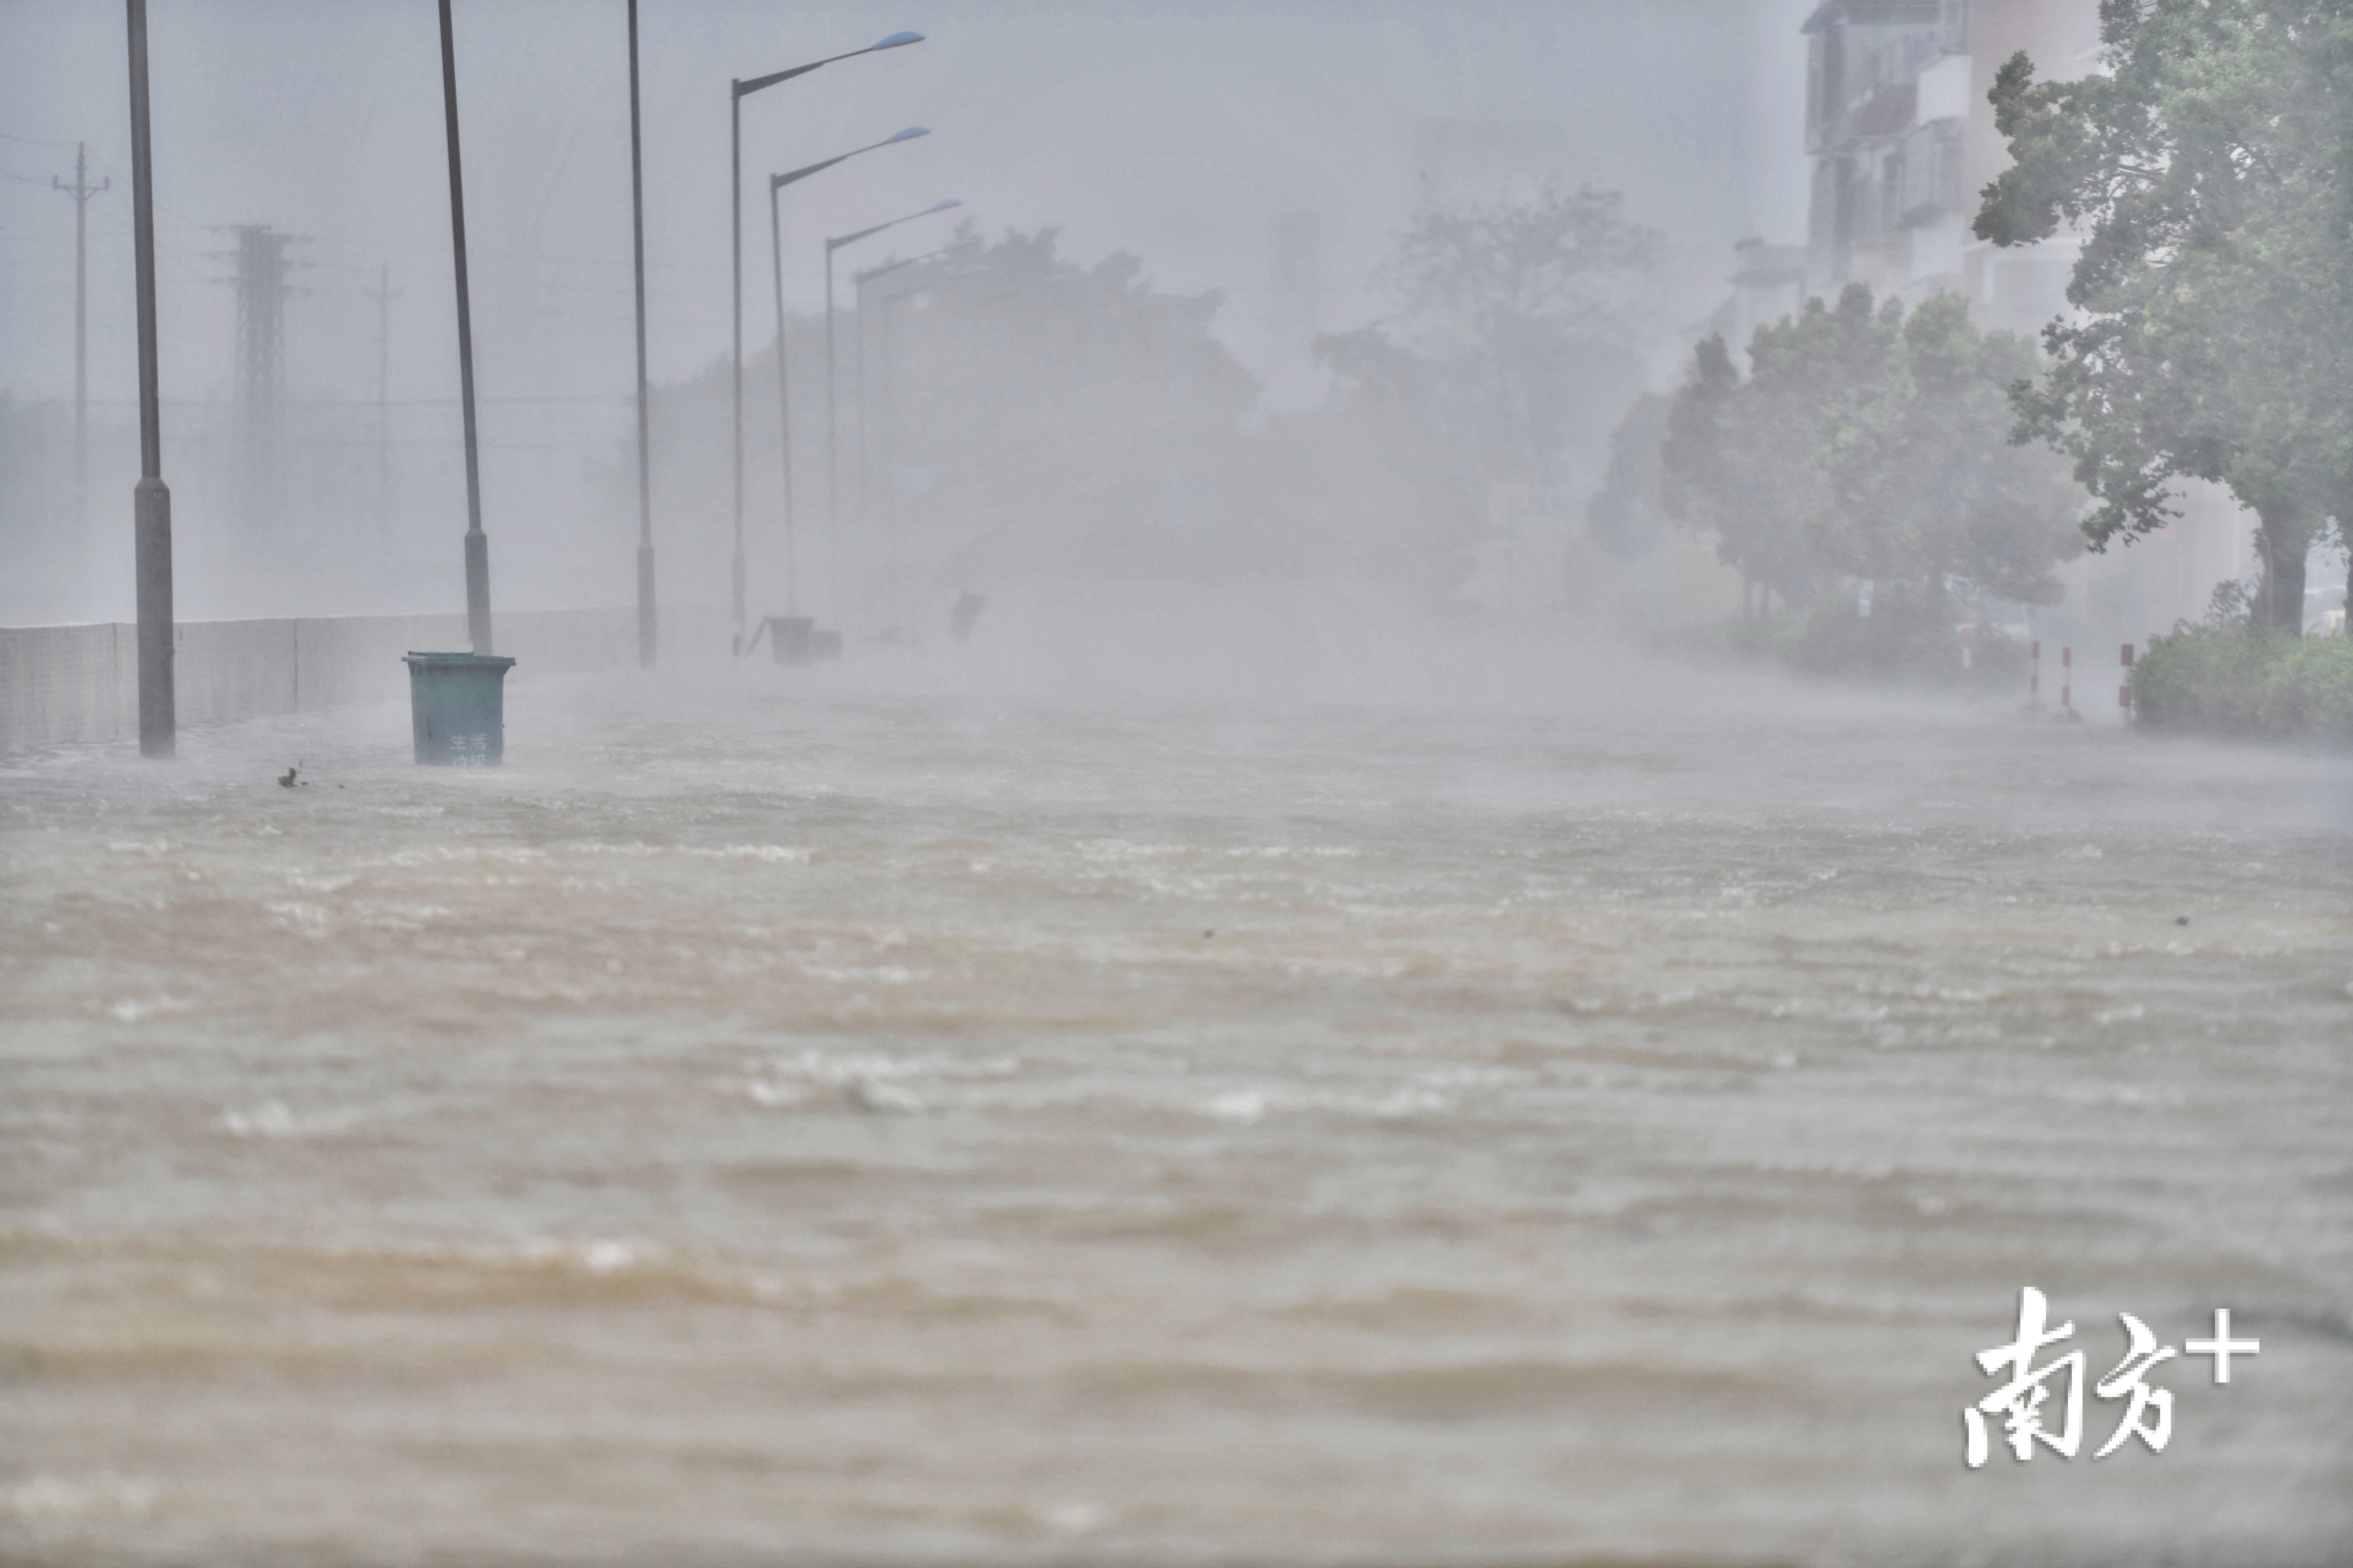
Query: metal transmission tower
{"type": "Point", "coordinates": [383, 296]}
{"type": "Point", "coordinates": [261, 295]}
{"type": "Point", "coordinates": [81, 190]}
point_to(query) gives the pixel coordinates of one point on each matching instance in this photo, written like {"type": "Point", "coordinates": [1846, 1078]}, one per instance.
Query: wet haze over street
{"type": "Point", "coordinates": [928, 1112]}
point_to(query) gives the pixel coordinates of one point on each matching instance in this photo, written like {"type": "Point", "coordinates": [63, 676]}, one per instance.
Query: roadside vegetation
{"type": "Point", "coordinates": [1879, 482]}
{"type": "Point", "coordinates": [1861, 479]}
{"type": "Point", "coordinates": [1024, 413]}
{"type": "Point", "coordinates": [2232, 677]}
{"type": "Point", "coordinates": [2206, 168]}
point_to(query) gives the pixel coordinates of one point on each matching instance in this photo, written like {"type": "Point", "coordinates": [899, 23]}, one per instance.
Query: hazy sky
{"type": "Point", "coordinates": [1177, 131]}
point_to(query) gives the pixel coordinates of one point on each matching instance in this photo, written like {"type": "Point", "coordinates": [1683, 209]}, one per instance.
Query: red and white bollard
{"type": "Point", "coordinates": [2124, 686]}
{"type": "Point", "coordinates": [2034, 678]}
{"type": "Point", "coordinates": [2067, 681]}
{"type": "Point", "coordinates": [1969, 659]}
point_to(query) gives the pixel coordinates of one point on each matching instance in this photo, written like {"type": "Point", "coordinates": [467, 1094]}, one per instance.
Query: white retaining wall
{"type": "Point", "coordinates": [60, 684]}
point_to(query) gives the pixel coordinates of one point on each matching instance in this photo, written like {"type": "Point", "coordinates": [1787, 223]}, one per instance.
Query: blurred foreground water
{"type": "Point", "coordinates": [868, 1115]}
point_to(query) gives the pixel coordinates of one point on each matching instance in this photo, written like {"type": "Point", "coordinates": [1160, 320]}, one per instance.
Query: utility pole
{"type": "Point", "coordinates": [152, 506]}
{"type": "Point", "coordinates": [81, 190]}
{"type": "Point", "coordinates": [383, 296]}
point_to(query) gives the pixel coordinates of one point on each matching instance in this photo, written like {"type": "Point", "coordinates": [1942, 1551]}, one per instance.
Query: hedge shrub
{"type": "Point", "coordinates": [2234, 682]}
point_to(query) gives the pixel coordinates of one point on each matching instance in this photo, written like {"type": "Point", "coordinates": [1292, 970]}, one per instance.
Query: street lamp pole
{"type": "Point", "coordinates": [859, 281]}
{"type": "Point", "coordinates": [647, 623]}
{"type": "Point", "coordinates": [883, 444]}
{"type": "Point", "coordinates": [776, 183]}
{"type": "Point", "coordinates": [738, 89]}
{"type": "Point", "coordinates": [832, 416]}
{"type": "Point", "coordinates": [783, 404]}
{"type": "Point", "coordinates": [866, 397]}
{"type": "Point", "coordinates": [477, 546]}
{"type": "Point", "coordinates": [152, 502]}
{"type": "Point", "coordinates": [735, 186]}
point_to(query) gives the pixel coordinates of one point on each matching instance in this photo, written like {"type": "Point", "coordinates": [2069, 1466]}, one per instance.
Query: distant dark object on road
{"type": "Point", "coordinates": [287, 780]}
{"type": "Point", "coordinates": [967, 614]}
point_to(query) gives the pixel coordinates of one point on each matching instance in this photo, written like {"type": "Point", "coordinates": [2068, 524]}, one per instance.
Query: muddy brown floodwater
{"type": "Point", "coordinates": [882, 1123]}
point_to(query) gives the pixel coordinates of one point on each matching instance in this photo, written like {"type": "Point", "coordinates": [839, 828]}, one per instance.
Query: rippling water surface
{"type": "Point", "coordinates": [860, 1122]}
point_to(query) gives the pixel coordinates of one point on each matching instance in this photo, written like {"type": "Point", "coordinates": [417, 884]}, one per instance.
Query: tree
{"type": "Point", "coordinates": [2212, 173]}
{"type": "Point", "coordinates": [1625, 514]}
{"type": "Point", "coordinates": [1866, 445]}
{"type": "Point", "coordinates": [1742, 458]}
{"type": "Point", "coordinates": [1527, 316]}
{"type": "Point", "coordinates": [1028, 414]}
{"type": "Point", "coordinates": [1924, 484]}
{"type": "Point", "coordinates": [1061, 416]}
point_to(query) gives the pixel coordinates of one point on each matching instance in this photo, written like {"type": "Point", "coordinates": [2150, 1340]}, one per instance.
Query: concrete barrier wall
{"type": "Point", "coordinates": [62, 684]}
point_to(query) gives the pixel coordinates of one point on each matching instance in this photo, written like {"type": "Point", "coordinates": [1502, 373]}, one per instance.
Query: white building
{"type": "Point", "coordinates": [1900, 138]}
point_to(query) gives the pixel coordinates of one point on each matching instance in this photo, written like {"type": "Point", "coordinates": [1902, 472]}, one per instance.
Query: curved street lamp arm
{"type": "Point", "coordinates": [777, 182]}
{"type": "Point", "coordinates": [836, 244]}
{"type": "Point", "coordinates": [896, 40]}
{"type": "Point", "coordinates": [871, 273]}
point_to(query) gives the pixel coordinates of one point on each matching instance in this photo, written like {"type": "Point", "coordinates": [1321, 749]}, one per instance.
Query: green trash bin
{"type": "Point", "coordinates": [456, 705]}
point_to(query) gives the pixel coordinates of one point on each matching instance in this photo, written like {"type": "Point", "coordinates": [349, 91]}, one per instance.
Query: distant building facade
{"type": "Point", "coordinates": [1901, 140]}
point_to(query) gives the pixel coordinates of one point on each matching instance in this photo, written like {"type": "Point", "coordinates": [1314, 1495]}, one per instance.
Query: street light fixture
{"type": "Point", "coordinates": [737, 91]}
{"type": "Point", "coordinates": [784, 410]}
{"type": "Point", "coordinates": [832, 417]}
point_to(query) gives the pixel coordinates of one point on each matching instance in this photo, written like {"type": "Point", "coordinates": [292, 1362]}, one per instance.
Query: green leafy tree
{"type": "Point", "coordinates": [2211, 172]}
{"type": "Point", "coordinates": [1924, 484]}
{"type": "Point", "coordinates": [1866, 445]}
{"type": "Point", "coordinates": [1742, 458]}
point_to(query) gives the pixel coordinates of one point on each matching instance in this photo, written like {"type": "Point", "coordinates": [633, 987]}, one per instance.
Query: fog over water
{"type": "Point", "coordinates": [1177, 133]}
{"type": "Point", "coordinates": [1312, 987]}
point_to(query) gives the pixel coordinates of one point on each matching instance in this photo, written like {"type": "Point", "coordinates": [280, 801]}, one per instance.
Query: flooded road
{"type": "Point", "coordinates": [867, 1120]}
